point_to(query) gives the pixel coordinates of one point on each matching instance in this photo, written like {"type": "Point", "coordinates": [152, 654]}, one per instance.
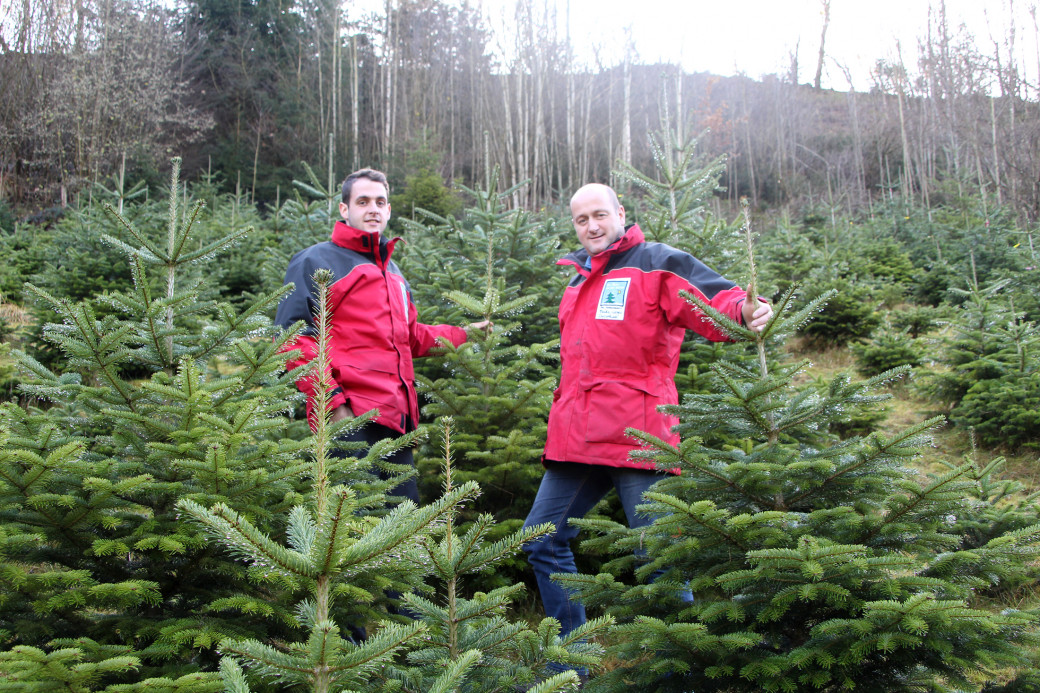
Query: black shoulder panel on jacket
{"type": "Point", "coordinates": [659, 257]}
{"type": "Point", "coordinates": [301, 303]}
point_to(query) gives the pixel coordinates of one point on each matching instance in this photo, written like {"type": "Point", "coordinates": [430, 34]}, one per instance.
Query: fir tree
{"type": "Point", "coordinates": [333, 552]}
{"type": "Point", "coordinates": [337, 553]}
{"type": "Point", "coordinates": [991, 373]}
{"type": "Point", "coordinates": [970, 352]}
{"type": "Point", "coordinates": [476, 632]}
{"type": "Point", "coordinates": [303, 219]}
{"type": "Point", "coordinates": [673, 207]}
{"type": "Point", "coordinates": [672, 210]}
{"type": "Point", "coordinates": [817, 564]}
{"type": "Point", "coordinates": [165, 397]}
{"type": "Point", "coordinates": [499, 384]}
{"type": "Point", "coordinates": [456, 254]}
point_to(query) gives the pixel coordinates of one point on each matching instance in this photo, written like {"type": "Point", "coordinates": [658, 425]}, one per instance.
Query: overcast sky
{"type": "Point", "coordinates": [757, 37]}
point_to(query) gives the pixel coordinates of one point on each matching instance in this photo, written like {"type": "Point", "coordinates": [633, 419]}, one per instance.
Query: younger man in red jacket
{"type": "Point", "coordinates": [374, 333]}
{"type": "Point", "coordinates": [622, 323]}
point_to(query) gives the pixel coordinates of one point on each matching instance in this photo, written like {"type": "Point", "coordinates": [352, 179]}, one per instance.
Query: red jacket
{"type": "Point", "coordinates": [373, 331]}
{"type": "Point", "coordinates": [622, 323]}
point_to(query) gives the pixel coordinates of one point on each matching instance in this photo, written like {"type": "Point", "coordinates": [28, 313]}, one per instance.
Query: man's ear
{"type": "Point", "coordinates": [621, 214]}
{"type": "Point", "coordinates": [343, 207]}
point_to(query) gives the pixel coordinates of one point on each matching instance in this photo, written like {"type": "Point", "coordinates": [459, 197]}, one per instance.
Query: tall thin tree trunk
{"type": "Point", "coordinates": [337, 76]}
{"type": "Point", "coordinates": [980, 171]}
{"type": "Point", "coordinates": [512, 174]}
{"type": "Point", "coordinates": [332, 169]}
{"type": "Point", "coordinates": [905, 178]}
{"type": "Point", "coordinates": [571, 114]}
{"type": "Point", "coordinates": [537, 175]}
{"type": "Point", "coordinates": [823, 39]}
{"type": "Point", "coordinates": [626, 115]}
{"type": "Point", "coordinates": [857, 143]}
{"type": "Point", "coordinates": [389, 79]}
{"type": "Point", "coordinates": [996, 154]}
{"type": "Point", "coordinates": [586, 146]}
{"type": "Point", "coordinates": [322, 114]}
{"type": "Point", "coordinates": [256, 159]}
{"type": "Point", "coordinates": [355, 107]}
{"type": "Point", "coordinates": [452, 109]}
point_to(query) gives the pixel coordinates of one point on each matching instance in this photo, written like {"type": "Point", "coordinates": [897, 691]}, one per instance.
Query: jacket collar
{"type": "Point", "coordinates": [580, 258]}
{"type": "Point", "coordinates": [365, 242]}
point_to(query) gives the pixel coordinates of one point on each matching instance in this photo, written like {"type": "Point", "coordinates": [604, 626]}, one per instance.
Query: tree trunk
{"type": "Point", "coordinates": [823, 39]}
{"type": "Point", "coordinates": [355, 107]}
{"type": "Point", "coordinates": [996, 154]}
{"type": "Point", "coordinates": [626, 114]}
{"type": "Point", "coordinates": [389, 80]}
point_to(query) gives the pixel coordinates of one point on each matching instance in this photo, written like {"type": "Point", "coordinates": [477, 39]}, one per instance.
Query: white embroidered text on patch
{"type": "Point", "coordinates": [612, 299]}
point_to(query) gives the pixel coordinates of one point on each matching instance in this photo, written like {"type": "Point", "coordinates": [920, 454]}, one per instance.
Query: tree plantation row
{"type": "Point", "coordinates": [169, 522]}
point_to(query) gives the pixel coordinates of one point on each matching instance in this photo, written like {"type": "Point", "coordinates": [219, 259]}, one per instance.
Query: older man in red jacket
{"type": "Point", "coordinates": [622, 323]}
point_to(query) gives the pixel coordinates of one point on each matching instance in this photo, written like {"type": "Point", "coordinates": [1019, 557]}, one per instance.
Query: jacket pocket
{"type": "Point", "coordinates": [610, 408]}
{"type": "Point", "coordinates": [369, 388]}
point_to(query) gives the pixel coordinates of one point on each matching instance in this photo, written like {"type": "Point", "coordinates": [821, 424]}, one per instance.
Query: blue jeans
{"type": "Point", "coordinates": [570, 490]}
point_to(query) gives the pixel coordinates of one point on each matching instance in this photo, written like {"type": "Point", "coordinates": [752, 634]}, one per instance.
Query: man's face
{"type": "Point", "coordinates": [368, 209]}
{"type": "Point", "coordinates": [597, 221]}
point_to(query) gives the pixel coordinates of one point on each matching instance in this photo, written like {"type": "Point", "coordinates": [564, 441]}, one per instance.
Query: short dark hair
{"type": "Point", "coordinates": [370, 174]}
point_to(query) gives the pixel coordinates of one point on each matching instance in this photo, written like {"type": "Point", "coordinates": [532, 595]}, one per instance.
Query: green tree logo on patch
{"type": "Point", "coordinates": [612, 300]}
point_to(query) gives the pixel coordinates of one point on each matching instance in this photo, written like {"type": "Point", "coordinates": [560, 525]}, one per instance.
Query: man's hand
{"type": "Point", "coordinates": [756, 313]}
{"type": "Point", "coordinates": [339, 413]}
{"type": "Point", "coordinates": [485, 325]}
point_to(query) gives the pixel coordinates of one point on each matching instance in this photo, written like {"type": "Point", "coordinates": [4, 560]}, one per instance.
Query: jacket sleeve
{"type": "Point", "coordinates": [694, 277]}
{"type": "Point", "coordinates": [423, 337]}
{"type": "Point", "coordinates": [301, 305]}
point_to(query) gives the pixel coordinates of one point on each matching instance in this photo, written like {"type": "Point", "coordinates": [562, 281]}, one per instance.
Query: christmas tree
{"type": "Point", "coordinates": [166, 396]}
{"type": "Point", "coordinates": [991, 376]}
{"type": "Point", "coordinates": [673, 207]}
{"type": "Point", "coordinates": [333, 552]}
{"type": "Point", "coordinates": [476, 631]}
{"type": "Point", "coordinates": [498, 386]}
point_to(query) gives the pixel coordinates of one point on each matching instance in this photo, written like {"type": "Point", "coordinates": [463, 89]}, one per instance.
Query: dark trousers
{"type": "Point", "coordinates": [372, 433]}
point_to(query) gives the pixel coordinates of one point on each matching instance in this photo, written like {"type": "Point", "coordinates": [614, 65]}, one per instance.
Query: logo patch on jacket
{"type": "Point", "coordinates": [612, 299]}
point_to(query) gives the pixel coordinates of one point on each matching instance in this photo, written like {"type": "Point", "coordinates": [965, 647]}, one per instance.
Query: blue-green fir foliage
{"type": "Point", "coordinates": [164, 396]}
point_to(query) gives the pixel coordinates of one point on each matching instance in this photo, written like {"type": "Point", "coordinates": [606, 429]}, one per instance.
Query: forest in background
{"type": "Point", "coordinates": [251, 89]}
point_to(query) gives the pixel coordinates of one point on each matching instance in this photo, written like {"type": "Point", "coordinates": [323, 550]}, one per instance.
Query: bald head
{"type": "Point", "coordinates": [596, 189]}
{"type": "Point", "coordinates": [598, 217]}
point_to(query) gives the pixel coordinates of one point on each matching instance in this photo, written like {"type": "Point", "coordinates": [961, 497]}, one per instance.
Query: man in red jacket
{"type": "Point", "coordinates": [622, 323]}
{"type": "Point", "coordinates": [374, 333]}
